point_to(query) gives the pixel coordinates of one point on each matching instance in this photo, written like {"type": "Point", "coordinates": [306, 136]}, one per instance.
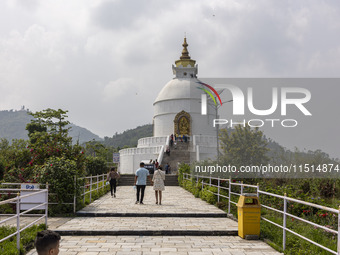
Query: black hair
{"type": "Point", "coordinates": [45, 241]}
{"type": "Point", "coordinates": [113, 168]}
{"type": "Point", "coordinates": [161, 168]}
{"type": "Point", "coordinates": [141, 164]}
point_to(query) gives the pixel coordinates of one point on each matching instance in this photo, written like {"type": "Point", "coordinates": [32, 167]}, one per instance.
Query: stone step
{"type": "Point", "coordinates": [149, 226]}
{"type": "Point", "coordinates": [147, 232]}
{"type": "Point", "coordinates": [177, 156]}
{"type": "Point", "coordinates": [153, 215]}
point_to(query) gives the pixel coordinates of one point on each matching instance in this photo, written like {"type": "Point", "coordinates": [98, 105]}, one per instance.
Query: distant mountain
{"type": "Point", "coordinates": [82, 134]}
{"type": "Point", "coordinates": [129, 138]}
{"type": "Point", "coordinates": [13, 126]}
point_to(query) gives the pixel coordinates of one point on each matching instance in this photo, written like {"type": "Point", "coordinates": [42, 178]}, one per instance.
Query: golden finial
{"type": "Point", "coordinates": [185, 59]}
{"type": "Point", "coordinates": [185, 53]}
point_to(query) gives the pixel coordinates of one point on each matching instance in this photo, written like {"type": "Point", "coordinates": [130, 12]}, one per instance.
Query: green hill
{"type": "Point", "coordinates": [13, 126]}
{"type": "Point", "coordinates": [129, 137]}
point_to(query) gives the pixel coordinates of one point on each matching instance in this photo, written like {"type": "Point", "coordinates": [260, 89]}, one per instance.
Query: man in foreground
{"type": "Point", "coordinates": [47, 242]}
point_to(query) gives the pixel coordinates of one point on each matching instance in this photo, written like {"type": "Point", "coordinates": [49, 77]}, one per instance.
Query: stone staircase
{"type": "Point", "coordinates": [128, 180]}
{"type": "Point", "coordinates": [178, 154]}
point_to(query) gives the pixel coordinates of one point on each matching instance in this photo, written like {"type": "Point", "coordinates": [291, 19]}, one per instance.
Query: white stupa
{"type": "Point", "coordinates": [177, 110]}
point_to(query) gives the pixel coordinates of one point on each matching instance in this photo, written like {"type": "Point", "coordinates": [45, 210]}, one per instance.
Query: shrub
{"type": "Point", "coordinates": [95, 166]}
{"type": "Point", "coordinates": [183, 168]}
{"type": "Point", "coordinates": [208, 196]}
{"type": "Point", "coordinates": [27, 237]}
{"type": "Point", "coordinates": [60, 174]}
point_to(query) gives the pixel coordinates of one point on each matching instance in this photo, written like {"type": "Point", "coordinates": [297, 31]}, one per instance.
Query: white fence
{"type": "Point", "coordinates": [89, 182]}
{"type": "Point", "coordinates": [284, 212]}
{"type": "Point", "coordinates": [18, 201]}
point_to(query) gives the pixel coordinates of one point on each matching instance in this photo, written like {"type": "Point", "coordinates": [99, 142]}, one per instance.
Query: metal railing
{"type": "Point", "coordinates": [284, 212]}
{"type": "Point", "coordinates": [91, 183]}
{"type": "Point", "coordinates": [18, 201]}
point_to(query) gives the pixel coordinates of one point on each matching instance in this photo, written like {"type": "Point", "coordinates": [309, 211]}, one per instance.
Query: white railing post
{"type": "Point", "coordinates": [218, 189]}
{"type": "Point", "coordinates": [284, 221]}
{"type": "Point", "coordinates": [97, 182]}
{"type": "Point", "coordinates": [103, 188]}
{"type": "Point", "coordinates": [339, 231]}
{"type": "Point", "coordinates": [75, 194]}
{"type": "Point", "coordinates": [18, 221]}
{"type": "Point", "coordinates": [229, 195]}
{"type": "Point", "coordinates": [46, 208]}
{"type": "Point", "coordinates": [210, 180]}
{"type": "Point", "coordinates": [241, 188]}
{"type": "Point", "coordinates": [91, 189]}
{"type": "Point", "coordinates": [196, 178]}
{"type": "Point", "coordinates": [84, 190]}
{"type": "Point", "coordinates": [257, 190]}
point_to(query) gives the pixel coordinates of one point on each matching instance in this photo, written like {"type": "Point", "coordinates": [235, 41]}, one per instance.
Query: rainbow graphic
{"type": "Point", "coordinates": [209, 93]}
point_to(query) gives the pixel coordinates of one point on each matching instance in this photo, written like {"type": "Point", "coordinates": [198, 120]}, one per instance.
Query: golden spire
{"type": "Point", "coordinates": [185, 59]}
{"type": "Point", "coordinates": [185, 52]}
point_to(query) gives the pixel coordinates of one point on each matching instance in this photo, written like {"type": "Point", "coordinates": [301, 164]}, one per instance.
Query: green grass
{"type": "Point", "coordinates": [27, 237]}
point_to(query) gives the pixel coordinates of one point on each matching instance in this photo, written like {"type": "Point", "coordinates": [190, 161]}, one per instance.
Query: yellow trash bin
{"type": "Point", "coordinates": [249, 215]}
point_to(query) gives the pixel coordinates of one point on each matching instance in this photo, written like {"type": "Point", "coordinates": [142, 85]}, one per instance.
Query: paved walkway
{"type": "Point", "coordinates": [176, 200]}
{"type": "Point", "coordinates": [159, 245]}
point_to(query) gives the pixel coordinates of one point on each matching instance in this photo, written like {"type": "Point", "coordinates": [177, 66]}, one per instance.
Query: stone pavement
{"type": "Point", "coordinates": [143, 223]}
{"type": "Point", "coordinates": [159, 245]}
{"type": "Point", "coordinates": [175, 200]}
{"type": "Point", "coordinates": [120, 214]}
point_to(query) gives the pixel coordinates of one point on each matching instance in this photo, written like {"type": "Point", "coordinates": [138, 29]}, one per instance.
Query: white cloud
{"type": "Point", "coordinates": [119, 88]}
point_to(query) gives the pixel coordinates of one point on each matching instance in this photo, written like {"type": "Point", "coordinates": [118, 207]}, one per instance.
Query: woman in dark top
{"type": "Point", "coordinates": [112, 176]}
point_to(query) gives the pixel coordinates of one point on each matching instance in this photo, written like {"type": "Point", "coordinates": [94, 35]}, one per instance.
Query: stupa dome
{"type": "Point", "coordinates": [180, 89]}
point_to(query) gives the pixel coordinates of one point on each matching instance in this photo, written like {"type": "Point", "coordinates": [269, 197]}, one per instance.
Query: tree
{"type": "Point", "coordinates": [49, 138]}
{"type": "Point", "coordinates": [95, 149]}
{"type": "Point", "coordinates": [48, 125]}
{"type": "Point", "coordinates": [95, 166]}
{"type": "Point", "coordinates": [243, 147]}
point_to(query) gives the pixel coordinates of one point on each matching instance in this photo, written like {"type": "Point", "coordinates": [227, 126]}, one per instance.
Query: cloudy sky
{"type": "Point", "coordinates": [106, 61]}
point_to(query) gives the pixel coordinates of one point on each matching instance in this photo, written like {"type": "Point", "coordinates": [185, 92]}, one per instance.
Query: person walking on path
{"type": "Point", "coordinates": [158, 184]}
{"type": "Point", "coordinates": [140, 182]}
{"type": "Point", "coordinates": [112, 176]}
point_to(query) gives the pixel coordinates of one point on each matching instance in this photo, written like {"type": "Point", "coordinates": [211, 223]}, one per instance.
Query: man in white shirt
{"type": "Point", "coordinates": [140, 182]}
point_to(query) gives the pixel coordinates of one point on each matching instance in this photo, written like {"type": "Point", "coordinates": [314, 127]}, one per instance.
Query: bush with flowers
{"type": "Point", "coordinates": [48, 156]}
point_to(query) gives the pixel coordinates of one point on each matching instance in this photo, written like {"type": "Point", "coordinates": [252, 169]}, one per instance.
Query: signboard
{"type": "Point", "coordinates": [116, 158]}
{"type": "Point", "coordinates": [34, 200]}
{"type": "Point", "coordinates": [150, 167]}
